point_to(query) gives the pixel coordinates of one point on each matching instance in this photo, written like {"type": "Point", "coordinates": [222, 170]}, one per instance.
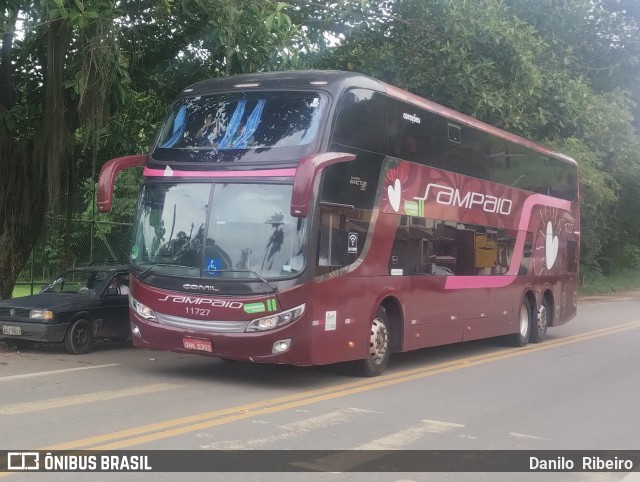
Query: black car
{"type": "Point", "coordinates": [78, 306]}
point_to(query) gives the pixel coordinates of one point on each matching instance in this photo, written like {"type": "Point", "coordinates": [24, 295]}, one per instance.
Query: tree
{"type": "Point", "coordinates": [532, 68]}
{"type": "Point", "coordinates": [67, 68]}
{"type": "Point", "coordinates": [83, 81]}
{"type": "Point", "coordinates": [59, 44]}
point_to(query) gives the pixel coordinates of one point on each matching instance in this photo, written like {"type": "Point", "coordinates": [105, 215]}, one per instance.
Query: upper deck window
{"type": "Point", "coordinates": [361, 121]}
{"type": "Point", "coordinates": [240, 122]}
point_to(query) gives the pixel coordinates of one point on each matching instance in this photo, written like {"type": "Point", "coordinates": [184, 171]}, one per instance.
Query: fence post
{"type": "Point", "coordinates": [32, 268]}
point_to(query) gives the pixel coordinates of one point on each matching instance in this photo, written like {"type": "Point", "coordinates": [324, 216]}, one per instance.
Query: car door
{"type": "Point", "coordinates": [115, 310]}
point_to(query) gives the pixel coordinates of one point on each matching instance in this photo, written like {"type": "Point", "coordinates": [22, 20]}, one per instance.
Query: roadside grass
{"type": "Point", "coordinates": [594, 283]}
{"type": "Point", "coordinates": [25, 289]}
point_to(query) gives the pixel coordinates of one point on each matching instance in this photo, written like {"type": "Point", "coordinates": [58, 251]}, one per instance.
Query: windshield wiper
{"type": "Point", "coordinates": [141, 276]}
{"type": "Point", "coordinates": [150, 268]}
{"type": "Point", "coordinates": [264, 280]}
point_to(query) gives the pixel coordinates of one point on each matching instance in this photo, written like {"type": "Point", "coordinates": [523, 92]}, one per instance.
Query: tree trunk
{"type": "Point", "coordinates": [32, 167]}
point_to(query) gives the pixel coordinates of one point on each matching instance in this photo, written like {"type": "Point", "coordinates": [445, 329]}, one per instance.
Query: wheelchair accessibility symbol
{"type": "Point", "coordinates": [213, 265]}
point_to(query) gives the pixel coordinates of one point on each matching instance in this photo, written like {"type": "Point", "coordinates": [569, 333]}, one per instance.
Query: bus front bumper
{"type": "Point", "coordinates": [286, 345]}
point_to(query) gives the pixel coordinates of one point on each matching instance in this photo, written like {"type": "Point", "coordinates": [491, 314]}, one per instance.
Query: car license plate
{"type": "Point", "coordinates": [197, 344]}
{"type": "Point", "coordinates": [11, 330]}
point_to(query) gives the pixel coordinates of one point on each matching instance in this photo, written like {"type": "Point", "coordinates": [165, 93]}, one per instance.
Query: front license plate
{"type": "Point", "coordinates": [11, 330]}
{"type": "Point", "coordinates": [197, 344]}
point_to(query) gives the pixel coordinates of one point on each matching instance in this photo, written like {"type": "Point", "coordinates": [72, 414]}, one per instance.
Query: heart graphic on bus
{"type": "Point", "coordinates": [395, 193]}
{"type": "Point", "coordinates": [551, 246]}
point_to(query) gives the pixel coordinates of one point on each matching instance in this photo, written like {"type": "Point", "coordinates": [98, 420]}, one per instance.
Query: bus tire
{"type": "Point", "coordinates": [521, 337]}
{"type": "Point", "coordinates": [78, 337]}
{"type": "Point", "coordinates": [379, 349]}
{"type": "Point", "coordinates": [539, 330]}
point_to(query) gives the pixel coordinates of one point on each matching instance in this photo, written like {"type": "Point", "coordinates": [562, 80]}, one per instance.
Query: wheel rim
{"type": "Point", "coordinates": [379, 341]}
{"type": "Point", "coordinates": [80, 336]}
{"type": "Point", "coordinates": [524, 321]}
{"type": "Point", "coordinates": [542, 319]}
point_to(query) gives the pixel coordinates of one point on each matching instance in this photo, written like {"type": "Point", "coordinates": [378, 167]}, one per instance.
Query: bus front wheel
{"type": "Point", "coordinates": [379, 349]}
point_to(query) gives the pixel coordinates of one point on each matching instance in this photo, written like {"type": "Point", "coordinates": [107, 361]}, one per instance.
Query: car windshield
{"type": "Point", "coordinates": [78, 281]}
{"type": "Point", "coordinates": [242, 121]}
{"type": "Point", "coordinates": [241, 231]}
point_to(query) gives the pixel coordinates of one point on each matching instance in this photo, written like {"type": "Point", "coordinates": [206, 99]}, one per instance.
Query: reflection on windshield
{"type": "Point", "coordinates": [242, 121]}
{"type": "Point", "coordinates": [81, 281]}
{"type": "Point", "coordinates": [245, 231]}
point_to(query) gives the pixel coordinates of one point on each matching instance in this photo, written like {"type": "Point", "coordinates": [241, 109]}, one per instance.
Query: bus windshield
{"type": "Point", "coordinates": [241, 231]}
{"type": "Point", "coordinates": [241, 121]}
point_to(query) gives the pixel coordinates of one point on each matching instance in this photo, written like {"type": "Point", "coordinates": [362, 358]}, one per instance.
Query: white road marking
{"type": "Point", "coordinates": [27, 407]}
{"type": "Point", "coordinates": [349, 459]}
{"type": "Point", "coordinates": [403, 438]}
{"type": "Point", "coordinates": [632, 477]}
{"type": "Point", "coordinates": [290, 430]}
{"type": "Point", "coordinates": [54, 372]}
{"type": "Point", "coordinates": [530, 437]}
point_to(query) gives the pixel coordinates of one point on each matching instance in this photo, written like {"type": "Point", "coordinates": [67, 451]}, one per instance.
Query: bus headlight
{"type": "Point", "coordinates": [276, 321]}
{"type": "Point", "coordinates": [142, 310]}
{"type": "Point", "coordinates": [41, 314]}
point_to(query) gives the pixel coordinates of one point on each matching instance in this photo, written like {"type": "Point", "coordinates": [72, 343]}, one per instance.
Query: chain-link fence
{"type": "Point", "coordinates": [86, 236]}
{"type": "Point", "coordinates": [67, 244]}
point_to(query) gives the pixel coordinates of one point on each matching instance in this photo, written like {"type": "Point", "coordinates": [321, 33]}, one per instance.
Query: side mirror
{"type": "Point", "coordinates": [113, 292]}
{"type": "Point", "coordinates": [108, 175]}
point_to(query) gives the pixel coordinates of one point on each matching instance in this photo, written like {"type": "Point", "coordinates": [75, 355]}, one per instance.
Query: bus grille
{"type": "Point", "coordinates": [202, 325]}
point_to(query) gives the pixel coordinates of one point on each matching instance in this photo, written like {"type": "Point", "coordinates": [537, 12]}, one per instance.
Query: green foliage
{"type": "Point", "coordinates": [87, 80]}
{"type": "Point", "coordinates": [598, 199]}
{"type": "Point", "coordinates": [594, 282]}
{"type": "Point", "coordinates": [475, 57]}
{"type": "Point", "coordinates": [532, 68]}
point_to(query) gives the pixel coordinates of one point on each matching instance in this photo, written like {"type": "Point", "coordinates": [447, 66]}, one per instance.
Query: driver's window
{"type": "Point", "coordinates": [342, 231]}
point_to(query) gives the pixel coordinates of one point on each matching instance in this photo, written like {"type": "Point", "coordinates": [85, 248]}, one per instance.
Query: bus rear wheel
{"type": "Point", "coordinates": [379, 349]}
{"type": "Point", "coordinates": [539, 331]}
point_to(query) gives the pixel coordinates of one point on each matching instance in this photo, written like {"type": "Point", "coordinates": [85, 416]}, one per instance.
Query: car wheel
{"type": "Point", "coordinates": [379, 349]}
{"type": "Point", "coordinates": [78, 337]}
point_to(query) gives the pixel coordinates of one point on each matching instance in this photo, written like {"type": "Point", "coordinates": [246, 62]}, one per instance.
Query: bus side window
{"type": "Point", "coordinates": [361, 121]}
{"type": "Point", "coordinates": [342, 231]}
{"type": "Point", "coordinates": [414, 251]}
{"type": "Point", "coordinates": [331, 240]}
{"type": "Point", "coordinates": [410, 131]}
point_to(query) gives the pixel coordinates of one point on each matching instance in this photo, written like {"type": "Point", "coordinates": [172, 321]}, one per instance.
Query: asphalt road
{"type": "Point", "coordinates": [577, 390]}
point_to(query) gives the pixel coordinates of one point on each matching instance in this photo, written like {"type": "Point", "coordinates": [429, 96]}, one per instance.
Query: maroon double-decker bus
{"type": "Point", "coordinates": [317, 217]}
